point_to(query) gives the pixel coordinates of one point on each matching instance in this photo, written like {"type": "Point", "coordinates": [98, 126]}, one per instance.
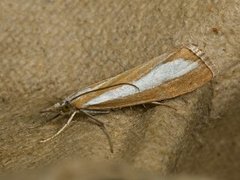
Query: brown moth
{"type": "Point", "coordinates": [161, 78]}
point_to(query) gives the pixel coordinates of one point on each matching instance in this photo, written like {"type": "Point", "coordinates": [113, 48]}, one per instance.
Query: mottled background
{"type": "Point", "coordinates": [51, 48]}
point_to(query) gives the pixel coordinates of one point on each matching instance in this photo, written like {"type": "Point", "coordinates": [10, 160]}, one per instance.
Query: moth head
{"type": "Point", "coordinates": [60, 107]}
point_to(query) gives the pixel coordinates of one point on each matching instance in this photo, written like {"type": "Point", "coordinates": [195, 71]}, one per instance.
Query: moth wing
{"type": "Point", "coordinates": [162, 78]}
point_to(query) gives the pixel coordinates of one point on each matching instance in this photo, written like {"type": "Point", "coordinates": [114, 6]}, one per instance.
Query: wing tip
{"type": "Point", "coordinates": [202, 55]}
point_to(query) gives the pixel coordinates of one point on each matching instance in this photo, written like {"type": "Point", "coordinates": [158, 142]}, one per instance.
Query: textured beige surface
{"type": "Point", "coordinates": [49, 49]}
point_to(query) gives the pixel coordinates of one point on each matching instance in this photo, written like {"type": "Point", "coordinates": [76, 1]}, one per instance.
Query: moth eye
{"type": "Point", "coordinates": [65, 108]}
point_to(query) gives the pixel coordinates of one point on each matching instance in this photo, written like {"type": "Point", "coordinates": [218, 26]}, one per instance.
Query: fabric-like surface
{"type": "Point", "coordinates": [49, 49]}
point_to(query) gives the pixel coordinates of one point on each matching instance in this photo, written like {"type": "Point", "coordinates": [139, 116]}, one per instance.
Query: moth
{"type": "Point", "coordinates": [164, 77]}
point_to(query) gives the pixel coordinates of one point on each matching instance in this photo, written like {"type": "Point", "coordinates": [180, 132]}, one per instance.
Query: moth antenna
{"type": "Point", "coordinates": [50, 119]}
{"type": "Point", "coordinates": [102, 126]}
{"type": "Point", "coordinates": [61, 130]}
{"type": "Point", "coordinates": [45, 111]}
{"type": "Point", "coordinates": [54, 117]}
{"type": "Point", "coordinates": [99, 89]}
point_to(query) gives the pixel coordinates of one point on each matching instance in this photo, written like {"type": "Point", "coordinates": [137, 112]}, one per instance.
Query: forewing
{"type": "Point", "coordinates": [163, 77]}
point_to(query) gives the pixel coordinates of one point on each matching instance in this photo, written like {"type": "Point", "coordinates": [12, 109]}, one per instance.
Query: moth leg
{"type": "Point", "coordinates": [144, 106]}
{"type": "Point", "coordinates": [61, 130]}
{"type": "Point", "coordinates": [163, 104]}
{"type": "Point", "coordinates": [102, 126]}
